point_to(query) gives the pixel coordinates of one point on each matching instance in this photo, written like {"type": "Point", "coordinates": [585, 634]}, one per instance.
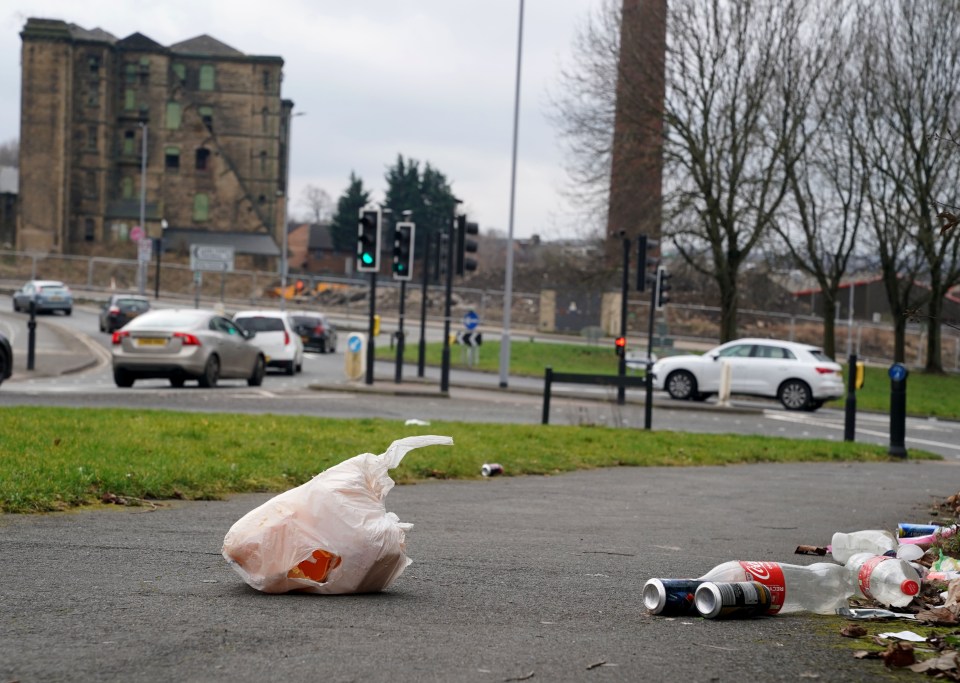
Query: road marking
{"type": "Point", "coordinates": [806, 421]}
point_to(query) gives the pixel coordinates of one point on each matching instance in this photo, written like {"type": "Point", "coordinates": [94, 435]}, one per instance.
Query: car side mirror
{"type": "Point", "coordinates": [248, 334]}
{"type": "Point", "coordinates": [715, 358]}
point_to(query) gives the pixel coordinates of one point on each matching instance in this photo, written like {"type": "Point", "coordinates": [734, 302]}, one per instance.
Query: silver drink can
{"type": "Point", "coordinates": [491, 469]}
{"type": "Point", "coordinates": [738, 599]}
{"type": "Point", "coordinates": [670, 597]}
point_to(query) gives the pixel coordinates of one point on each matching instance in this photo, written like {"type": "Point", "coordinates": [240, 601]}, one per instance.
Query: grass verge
{"type": "Point", "coordinates": [59, 458]}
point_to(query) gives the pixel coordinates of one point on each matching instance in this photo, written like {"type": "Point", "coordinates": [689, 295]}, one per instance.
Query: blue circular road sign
{"type": "Point", "coordinates": [354, 342]}
{"type": "Point", "coordinates": [471, 320]}
{"type": "Point", "coordinates": [897, 372]}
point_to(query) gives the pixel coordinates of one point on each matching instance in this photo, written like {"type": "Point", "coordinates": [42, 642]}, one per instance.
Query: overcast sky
{"type": "Point", "coordinates": [430, 79]}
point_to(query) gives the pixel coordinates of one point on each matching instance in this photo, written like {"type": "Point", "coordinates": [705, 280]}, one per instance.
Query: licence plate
{"type": "Point", "coordinates": [303, 338]}
{"type": "Point", "coordinates": [151, 341]}
{"type": "Point", "coordinates": [56, 298]}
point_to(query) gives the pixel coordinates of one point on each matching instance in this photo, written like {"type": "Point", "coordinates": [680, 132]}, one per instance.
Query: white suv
{"type": "Point", "coordinates": [275, 337]}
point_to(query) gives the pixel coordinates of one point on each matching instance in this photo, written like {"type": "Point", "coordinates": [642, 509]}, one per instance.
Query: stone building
{"type": "Point", "coordinates": [209, 118]}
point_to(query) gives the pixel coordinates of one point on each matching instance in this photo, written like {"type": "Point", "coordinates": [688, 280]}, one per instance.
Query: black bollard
{"type": "Point", "coordinates": [850, 414]}
{"type": "Point", "coordinates": [898, 410]}
{"type": "Point", "coordinates": [32, 336]}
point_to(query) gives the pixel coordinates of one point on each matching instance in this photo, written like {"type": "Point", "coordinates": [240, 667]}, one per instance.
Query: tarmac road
{"type": "Point", "coordinates": [520, 578]}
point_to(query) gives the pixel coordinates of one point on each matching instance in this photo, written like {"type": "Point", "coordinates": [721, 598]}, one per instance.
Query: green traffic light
{"type": "Point", "coordinates": [367, 259]}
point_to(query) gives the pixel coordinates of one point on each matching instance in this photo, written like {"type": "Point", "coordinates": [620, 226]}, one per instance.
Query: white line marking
{"type": "Point", "coordinates": [800, 420]}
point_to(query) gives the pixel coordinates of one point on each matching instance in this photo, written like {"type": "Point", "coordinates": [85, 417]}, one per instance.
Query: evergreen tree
{"type": "Point", "coordinates": [344, 225]}
{"type": "Point", "coordinates": [427, 194]}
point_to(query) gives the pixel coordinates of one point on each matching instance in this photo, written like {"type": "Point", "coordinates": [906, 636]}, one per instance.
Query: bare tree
{"type": "Point", "coordinates": [10, 153]}
{"type": "Point", "coordinates": [728, 122]}
{"type": "Point", "coordinates": [317, 203]}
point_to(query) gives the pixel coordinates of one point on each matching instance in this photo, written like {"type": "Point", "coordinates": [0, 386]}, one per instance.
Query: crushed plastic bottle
{"type": "Point", "coordinates": [875, 541]}
{"type": "Point", "coordinates": [888, 580]}
{"type": "Point", "coordinates": [821, 587]}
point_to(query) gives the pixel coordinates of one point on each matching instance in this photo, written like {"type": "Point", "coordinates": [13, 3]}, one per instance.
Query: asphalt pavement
{"type": "Point", "coordinates": [514, 578]}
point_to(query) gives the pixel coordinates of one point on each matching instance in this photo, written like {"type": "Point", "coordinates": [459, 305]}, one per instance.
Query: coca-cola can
{"type": "Point", "coordinates": [491, 469]}
{"type": "Point", "coordinates": [738, 599]}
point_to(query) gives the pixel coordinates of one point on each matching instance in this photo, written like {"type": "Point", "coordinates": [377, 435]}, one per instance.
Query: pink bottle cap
{"type": "Point", "coordinates": [909, 587]}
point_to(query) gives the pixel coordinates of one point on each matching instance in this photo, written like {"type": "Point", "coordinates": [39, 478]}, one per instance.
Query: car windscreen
{"type": "Point", "coordinates": [168, 320]}
{"type": "Point", "coordinates": [133, 304]}
{"type": "Point", "coordinates": [53, 291]}
{"type": "Point", "coordinates": [302, 320]}
{"type": "Point", "coordinates": [260, 324]}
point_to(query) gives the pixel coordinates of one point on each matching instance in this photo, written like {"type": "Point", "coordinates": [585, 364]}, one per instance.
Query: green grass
{"type": "Point", "coordinates": [927, 395]}
{"type": "Point", "coordinates": [60, 458]}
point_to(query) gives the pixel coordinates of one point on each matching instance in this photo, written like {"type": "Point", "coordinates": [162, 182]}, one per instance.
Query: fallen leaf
{"type": "Point", "coordinates": [947, 662]}
{"type": "Point", "coordinates": [866, 654]}
{"type": "Point", "coordinates": [853, 631]}
{"type": "Point", "coordinates": [810, 550]}
{"type": "Point", "coordinates": [596, 664]}
{"type": "Point", "coordinates": [940, 616]}
{"type": "Point", "coordinates": [898, 655]}
{"type": "Point", "coordinates": [950, 221]}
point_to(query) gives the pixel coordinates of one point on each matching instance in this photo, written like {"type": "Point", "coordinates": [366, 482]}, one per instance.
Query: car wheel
{"type": "Point", "coordinates": [291, 367]}
{"type": "Point", "coordinates": [69, 311]}
{"type": "Point", "coordinates": [177, 381]}
{"type": "Point", "coordinates": [3, 367]}
{"type": "Point", "coordinates": [123, 378]}
{"type": "Point", "coordinates": [16, 309]}
{"type": "Point", "coordinates": [681, 385]}
{"type": "Point", "coordinates": [323, 346]}
{"type": "Point", "coordinates": [259, 370]}
{"type": "Point", "coordinates": [794, 394]}
{"type": "Point", "coordinates": [211, 373]}
{"type": "Point", "coordinates": [700, 396]}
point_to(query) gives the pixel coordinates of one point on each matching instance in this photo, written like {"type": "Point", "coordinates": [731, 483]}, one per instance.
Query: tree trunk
{"type": "Point", "coordinates": [899, 338]}
{"type": "Point", "coordinates": [829, 326]}
{"type": "Point", "coordinates": [728, 307]}
{"type": "Point", "coordinates": [934, 336]}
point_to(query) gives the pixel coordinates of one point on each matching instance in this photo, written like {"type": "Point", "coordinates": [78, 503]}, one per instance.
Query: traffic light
{"type": "Point", "coordinates": [646, 261]}
{"type": "Point", "coordinates": [464, 245]}
{"type": "Point", "coordinates": [620, 344]}
{"type": "Point", "coordinates": [368, 240]}
{"type": "Point", "coordinates": [403, 234]}
{"type": "Point", "coordinates": [663, 287]}
{"type": "Point", "coordinates": [440, 261]}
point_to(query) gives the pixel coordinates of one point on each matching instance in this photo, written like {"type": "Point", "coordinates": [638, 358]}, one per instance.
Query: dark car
{"type": "Point", "coordinates": [48, 296]}
{"type": "Point", "coordinates": [121, 309]}
{"type": "Point", "coordinates": [316, 331]}
{"type": "Point", "coordinates": [6, 358]}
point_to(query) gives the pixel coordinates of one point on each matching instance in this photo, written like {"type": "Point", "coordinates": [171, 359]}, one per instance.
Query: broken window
{"type": "Point", "coordinates": [202, 159]}
{"type": "Point", "coordinates": [206, 115]}
{"type": "Point", "coordinates": [172, 158]}
{"type": "Point", "coordinates": [180, 71]}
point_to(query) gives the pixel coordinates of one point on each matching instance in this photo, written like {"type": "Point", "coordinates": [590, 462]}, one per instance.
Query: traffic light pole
{"type": "Point", "coordinates": [398, 374]}
{"type": "Point", "coordinates": [622, 364]}
{"type": "Point", "coordinates": [422, 352]}
{"type": "Point", "coordinates": [445, 368]}
{"type": "Point", "coordinates": [370, 328]}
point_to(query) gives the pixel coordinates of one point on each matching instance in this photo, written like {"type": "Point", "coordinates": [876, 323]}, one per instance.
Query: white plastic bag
{"type": "Point", "coordinates": [329, 535]}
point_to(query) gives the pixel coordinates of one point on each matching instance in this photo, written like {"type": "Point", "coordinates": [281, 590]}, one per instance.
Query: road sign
{"type": "Point", "coordinates": [355, 359]}
{"type": "Point", "coordinates": [136, 233]}
{"type": "Point", "coordinates": [897, 372]}
{"type": "Point", "coordinates": [215, 257]}
{"type": "Point", "coordinates": [472, 339]}
{"type": "Point", "coordinates": [471, 320]}
{"type": "Point", "coordinates": [144, 250]}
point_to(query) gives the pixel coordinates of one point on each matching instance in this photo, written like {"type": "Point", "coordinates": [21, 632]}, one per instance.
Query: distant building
{"type": "Point", "coordinates": [211, 119]}
{"type": "Point", "coordinates": [9, 184]}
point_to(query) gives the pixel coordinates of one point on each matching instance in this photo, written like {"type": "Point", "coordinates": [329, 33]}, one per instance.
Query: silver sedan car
{"type": "Point", "coordinates": [182, 344]}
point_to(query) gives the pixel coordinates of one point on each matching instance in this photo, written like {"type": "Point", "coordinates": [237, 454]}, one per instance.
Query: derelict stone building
{"type": "Point", "coordinates": [210, 118]}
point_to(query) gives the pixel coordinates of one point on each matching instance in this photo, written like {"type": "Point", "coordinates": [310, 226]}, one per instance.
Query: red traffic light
{"type": "Point", "coordinates": [621, 344]}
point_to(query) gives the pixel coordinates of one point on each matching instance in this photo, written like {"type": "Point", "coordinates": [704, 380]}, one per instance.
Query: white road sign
{"type": "Point", "coordinates": [215, 257]}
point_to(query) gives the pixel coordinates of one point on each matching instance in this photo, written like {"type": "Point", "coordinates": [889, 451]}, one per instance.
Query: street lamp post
{"type": "Point", "coordinates": [159, 245]}
{"type": "Point", "coordinates": [141, 270]}
{"type": "Point", "coordinates": [285, 192]}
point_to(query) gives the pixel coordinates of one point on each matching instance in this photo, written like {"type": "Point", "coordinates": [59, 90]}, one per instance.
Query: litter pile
{"type": "Point", "coordinates": [912, 574]}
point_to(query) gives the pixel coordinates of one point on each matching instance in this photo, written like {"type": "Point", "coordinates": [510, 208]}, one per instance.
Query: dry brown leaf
{"type": "Point", "coordinates": [947, 662]}
{"type": "Point", "coordinates": [940, 616]}
{"type": "Point", "coordinates": [853, 631]}
{"type": "Point", "coordinates": [898, 655]}
{"type": "Point", "coordinates": [950, 221]}
{"type": "Point", "coordinates": [866, 654]}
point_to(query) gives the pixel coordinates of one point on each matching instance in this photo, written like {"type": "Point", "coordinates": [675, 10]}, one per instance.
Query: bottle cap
{"type": "Point", "coordinates": [909, 587]}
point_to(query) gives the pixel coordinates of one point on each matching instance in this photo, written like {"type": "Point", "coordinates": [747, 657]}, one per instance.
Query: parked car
{"type": "Point", "coordinates": [185, 344]}
{"type": "Point", "coordinates": [316, 332]}
{"type": "Point", "coordinates": [275, 337]}
{"type": "Point", "coordinates": [121, 309]}
{"type": "Point", "coordinates": [800, 376]}
{"type": "Point", "coordinates": [49, 295]}
{"type": "Point", "coordinates": [6, 358]}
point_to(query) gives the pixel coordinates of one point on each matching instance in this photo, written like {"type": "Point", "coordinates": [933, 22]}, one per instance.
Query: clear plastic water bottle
{"type": "Point", "coordinates": [875, 541]}
{"type": "Point", "coordinates": [888, 580]}
{"type": "Point", "coordinates": [822, 587]}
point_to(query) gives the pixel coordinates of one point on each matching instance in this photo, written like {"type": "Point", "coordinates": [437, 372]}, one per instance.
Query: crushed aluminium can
{"type": "Point", "coordinates": [738, 599]}
{"type": "Point", "coordinates": [670, 597]}
{"type": "Point", "coordinates": [491, 469]}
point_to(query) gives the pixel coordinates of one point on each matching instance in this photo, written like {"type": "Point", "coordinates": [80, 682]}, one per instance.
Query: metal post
{"type": "Point", "coordinates": [398, 374]}
{"type": "Point", "coordinates": [422, 351]}
{"type": "Point", "coordinates": [548, 381]}
{"type": "Point", "coordinates": [898, 411]}
{"type": "Point", "coordinates": [508, 280]}
{"type": "Point", "coordinates": [373, 312]}
{"type": "Point", "coordinates": [445, 362]}
{"type": "Point", "coordinates": [141, 271]}
{"type": "Point", "coordinates": [622, 365]}
{"type": "Point", "coordinates": [850, 412]}
{"type": "Point", "coordinates": [648, 399]}
{"type": "Point", "coordinates": [32, 335]}
{"type": "Point", "coordinates": [158, 244]}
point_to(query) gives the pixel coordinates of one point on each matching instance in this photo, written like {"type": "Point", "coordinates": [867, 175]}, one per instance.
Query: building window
{"type": "Point", "coordinates": [93, 95]}
{"type": "Point", "coordinates": [266, 81]}
{"type": "Point", "coordinates": [265, 113]}
{"type": "Point", "coordinates": [180, 72]}
{"type": "Point", "coordinates": [92, 137]}
{"type": "Point", "coordinates": [93, 62]}
{"type": "Point", "coordinates": [200, 207]}
{"type": "Point", "coordinates": [206, 77]}
{"type": "Point", "coordinates": [129, 99]}
{"type": "Point", "coordinates": [173, 115]}
{"type": "Point", "coordinates": [172, 159]}
{"type": "Point", "coordinates": [126, 187]}
{"type": "Point", "coordinates": [130, 73]}
{"type": "Point", "coordinates": [129, 140]}
{"type": "Point", "coordinates": [202, 159]}
{"type": "Point", "coordinates": [263, 162]}
{"type": "Point", "coordinates": [206, 115]}
{"type": "Point", "coordinates": [89, 184]}
{"type": "Point", "coordinates": [89, 233]}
